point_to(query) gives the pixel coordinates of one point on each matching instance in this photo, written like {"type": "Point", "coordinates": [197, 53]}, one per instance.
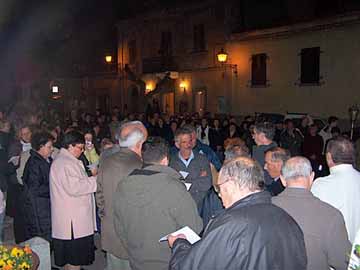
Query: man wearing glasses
{"type": "Point", "coordinates": [250, 234]}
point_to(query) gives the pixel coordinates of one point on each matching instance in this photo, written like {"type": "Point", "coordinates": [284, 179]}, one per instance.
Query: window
{"type": "Point", "coordinates": [258, 69]}
{"type": "Point", "coordinates": [166, 44]}
{"type": "Point", "coordinates": [132, 51]}
{"type": "Point", "coordinates": [310, 65]}
{"type": "Point", "coordinates": [199, 38]}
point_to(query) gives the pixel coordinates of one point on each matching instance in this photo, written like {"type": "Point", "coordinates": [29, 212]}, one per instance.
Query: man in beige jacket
{"type": "Point", "coordinates": [113, 170]}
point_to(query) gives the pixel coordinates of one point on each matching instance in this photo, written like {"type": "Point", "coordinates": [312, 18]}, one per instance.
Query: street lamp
{"type": "Point", "coordinates": [353, 111]}
{"type": "Point", "coordinates": [183, 86]}
{"type": "Point", "coordinates": [222, 57]}
{"type": "Point", "coordinates": [183, 105]}
{"type": "Point", "coordinates": [108, 59]}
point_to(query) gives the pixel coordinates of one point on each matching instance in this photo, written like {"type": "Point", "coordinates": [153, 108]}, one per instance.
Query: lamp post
{"type": "Point", "coordinates": [222, 57]}
{"type": "Point", "coordinates": [108, 60]}
{"type": "Point", "coordinates": [183, 105]}
{"type": "Point", "coordinates": [353, 111]}
{"type": "Point", "coordinates": [183, 87]}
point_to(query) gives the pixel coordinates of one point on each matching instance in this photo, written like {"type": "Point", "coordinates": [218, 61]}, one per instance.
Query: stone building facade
{"type": "Point", "coordinates": [170, 55]}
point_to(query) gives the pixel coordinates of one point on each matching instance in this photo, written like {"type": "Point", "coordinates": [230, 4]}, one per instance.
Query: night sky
{"type": "Point", "coordinates": [63, 31]}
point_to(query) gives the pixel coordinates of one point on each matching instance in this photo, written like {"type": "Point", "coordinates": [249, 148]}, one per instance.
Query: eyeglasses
{"type": "Point", "coordinates": [217, 186]}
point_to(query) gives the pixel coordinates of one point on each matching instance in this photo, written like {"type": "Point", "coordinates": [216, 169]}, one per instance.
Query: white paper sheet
{"type": "Point", "coordinates": [14, 160]}
{"type": "Point", "coordinates": [191, 236]}
{"type": "Point", "coordinates": [94, 165]}
{"type": "Point", "coordinates": [187, 185]}
{"type": "Point", "coordinates": [184, 174]}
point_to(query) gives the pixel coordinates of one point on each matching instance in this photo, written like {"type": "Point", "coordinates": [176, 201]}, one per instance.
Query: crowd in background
{"type": "Point", "coordinates": [35, 147]}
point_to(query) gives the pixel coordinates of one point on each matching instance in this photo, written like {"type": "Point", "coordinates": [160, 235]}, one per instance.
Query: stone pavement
{"type": "Point", "coordinates": [99, 263]}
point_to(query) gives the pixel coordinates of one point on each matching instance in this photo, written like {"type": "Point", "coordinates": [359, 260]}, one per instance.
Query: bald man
{"type": "Point", "coordinates": [251, 233]}
{"type": "Point", "coordinates": [112, 170]}
{"type": "Point", "coordinates": [326, 241]}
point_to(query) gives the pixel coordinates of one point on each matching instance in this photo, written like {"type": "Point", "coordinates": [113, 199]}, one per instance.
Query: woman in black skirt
{"type": "Point", "coordinates": [72, 206]}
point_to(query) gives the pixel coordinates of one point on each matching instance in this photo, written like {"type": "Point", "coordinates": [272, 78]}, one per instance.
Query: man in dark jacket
{"type": "Point", "coordinates": [250, 234]}
{"type": "Point", "coordinates": [193, 166]}
{"type": "Point", "coordinates": [199, 147]}
{"type": "Point", "coordinates": [291, 138]}
{"type": "Point", "coordinates": [274, 160]}
{"type": "Point", "coordinates": [150, 203]}
{"type": "Point", "coordinates": [263, 135]}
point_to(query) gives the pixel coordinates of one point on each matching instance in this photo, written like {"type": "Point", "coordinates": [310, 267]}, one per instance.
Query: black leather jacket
{"type": "Point", "coordinates": [251, 234]}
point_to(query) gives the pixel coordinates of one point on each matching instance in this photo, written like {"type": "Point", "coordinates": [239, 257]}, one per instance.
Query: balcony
{"type": "Point", "coordinates": [159, 64]}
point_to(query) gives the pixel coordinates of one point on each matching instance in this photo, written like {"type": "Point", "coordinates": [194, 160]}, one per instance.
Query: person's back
{"type": "Point", "coordinates": [325, 248]}
{"type": "Point", "coordinates": [149, 204]}
{"type": "Point", "coordinates": [322, 245]}
{"type": "Point", "coordinates": [251, 234]}
{"type": "Point", "coordinates": [114, 169]}
{"type": "Point", "coordinates": [272, 231]}
{"type": "Point", "coordinates": [341, 189]}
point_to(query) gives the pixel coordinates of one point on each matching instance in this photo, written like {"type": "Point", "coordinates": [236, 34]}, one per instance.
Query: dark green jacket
{"type": "Point", "coordinates": [149, 204]}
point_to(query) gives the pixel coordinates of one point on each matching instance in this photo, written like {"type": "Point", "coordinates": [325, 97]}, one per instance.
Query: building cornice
{"type": "Point", "coordinates": [288, 30]}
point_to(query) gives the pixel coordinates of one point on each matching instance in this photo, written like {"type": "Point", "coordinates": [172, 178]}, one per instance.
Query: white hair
{"type": "Point", "coordinates": [296, 167]}
{"type": "Point", "coordinates": [133, 137]}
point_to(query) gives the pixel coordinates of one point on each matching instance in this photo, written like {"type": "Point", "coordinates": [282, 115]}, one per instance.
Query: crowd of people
{"type": "Point", "coordinates": [261, 195]}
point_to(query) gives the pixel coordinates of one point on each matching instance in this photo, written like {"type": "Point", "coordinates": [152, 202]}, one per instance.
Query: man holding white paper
{"type": "Point", "coordinates": [250, 234]}
{"type": "Point", "coordinates": [151, 203]}
{"type": "Point", "coordinates": [193, 166]}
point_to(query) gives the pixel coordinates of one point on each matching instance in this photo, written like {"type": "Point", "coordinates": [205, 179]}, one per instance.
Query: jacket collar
{"type": "Point", "coordinates": [340, 168]}
{"type": "Point", "coordinates": [66, 153]}
{"type": "Point", "coordinates": [296, 192]}
{"type": "Point", "coordinates": [163, 169]}
{"type": "Point", "coordinates": [261, 197]}
{"type": "Point", "coordinates": [36, 155]}
{"type": "Point", "coordinates": [127, 151]}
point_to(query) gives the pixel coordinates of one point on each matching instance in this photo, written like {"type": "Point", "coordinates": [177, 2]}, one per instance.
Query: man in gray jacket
{"type": "Point", "coordinates": [113, 170]}
{"type": "Point", "coordinates": [193, 166]}
{"type": "Point", "coordinates": [326, 240]}
{"type": "Point", "coordinates": [150, 203]}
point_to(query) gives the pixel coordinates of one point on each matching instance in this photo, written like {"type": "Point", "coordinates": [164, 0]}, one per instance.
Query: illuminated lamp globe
{"type": "Point", "coordinates": [108, 58]}
{"type": "Point", "coordinates": [222, 56]}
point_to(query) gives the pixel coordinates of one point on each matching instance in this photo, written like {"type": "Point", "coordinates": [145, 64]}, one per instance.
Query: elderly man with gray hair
{"type": "Point", "coordinates": [114, 169]}
{"type": "Point", "coordinates": [251, 233]}
{"type": "Point", "coordinates": [326, 240]}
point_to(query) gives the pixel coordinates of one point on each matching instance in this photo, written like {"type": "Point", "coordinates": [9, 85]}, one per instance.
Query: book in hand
{"type": "Point", "coordinates": [190, 235]}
